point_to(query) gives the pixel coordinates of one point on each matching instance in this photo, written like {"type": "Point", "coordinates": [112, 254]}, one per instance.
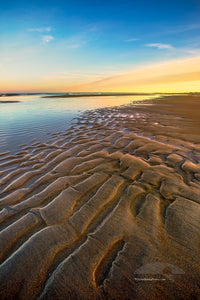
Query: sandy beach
{"type": "Point", "coordinates": [107, 209]}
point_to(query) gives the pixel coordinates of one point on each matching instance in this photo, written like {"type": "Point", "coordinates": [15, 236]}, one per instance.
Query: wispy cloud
{"type": "Point", "coordinates": [191, 27]}
{"type": "Point", "coordinates": [179, 29]}
{"type": "Point", "coordinates": [195, 52]}
{"type": "Point", "coordinates": [74, 46]}
{"type": "Point", "coordinates": [132, 40]}
{"type": "Point", "coordinates": [40, 29]}
{"type": "Point", "coordinates": [47, 38]}
{"type": "Point", "coordinates": [72, 76]}
{"type": "Point", "coordinates": [9, 58]}
{"type": "Point", "coordinates": [76, 41]}
{"type": "Point", "coordinates": [183, 28]}
{"type": "Point", "coordinates": [160, 46]}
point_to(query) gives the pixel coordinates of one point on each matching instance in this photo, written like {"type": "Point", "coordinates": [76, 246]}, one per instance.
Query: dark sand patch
{"type": "Point", "coordinates": [9, 101]}
{"type": "Point", "coordinates": [109, 209]}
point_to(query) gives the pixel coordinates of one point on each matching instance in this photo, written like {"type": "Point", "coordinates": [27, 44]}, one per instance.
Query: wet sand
{"type": "Point", "coordinates": [108, 209]}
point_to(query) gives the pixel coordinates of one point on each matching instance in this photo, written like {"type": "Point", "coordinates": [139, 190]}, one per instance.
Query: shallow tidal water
{"type": "Point", "coordinates": [34, 118]}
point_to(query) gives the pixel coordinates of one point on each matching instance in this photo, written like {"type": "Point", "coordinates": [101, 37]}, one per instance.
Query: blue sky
{"type": "Point", "coordinates": [48, 45]}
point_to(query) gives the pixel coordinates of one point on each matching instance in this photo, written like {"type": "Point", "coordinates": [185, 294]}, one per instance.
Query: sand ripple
{"type": "Point", "coordinates": [82, 213]}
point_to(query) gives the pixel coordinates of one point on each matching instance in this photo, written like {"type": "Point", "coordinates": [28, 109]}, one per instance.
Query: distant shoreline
{"type": "Point", "coordinates": [93, 95]}
{"type": "Point", "coordinates": [96, 94]}
{"type": "Point", "coordinates": [111, 94]}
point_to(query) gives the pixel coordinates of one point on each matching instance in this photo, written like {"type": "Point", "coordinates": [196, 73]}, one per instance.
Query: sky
{"type": "Point", "coordinates": [133, 46]}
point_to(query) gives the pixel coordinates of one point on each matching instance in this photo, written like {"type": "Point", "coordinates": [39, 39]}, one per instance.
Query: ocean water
{"type": "Point", "coordinates": [34, 118]}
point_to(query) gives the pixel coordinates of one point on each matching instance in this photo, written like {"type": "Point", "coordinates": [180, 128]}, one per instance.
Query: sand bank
{"type": "Point", "coordinates": [12, 101]}
{"type": "Point", "coordinates": [84, 95]}
{"type": "Point", "coordinates": [108, 209]}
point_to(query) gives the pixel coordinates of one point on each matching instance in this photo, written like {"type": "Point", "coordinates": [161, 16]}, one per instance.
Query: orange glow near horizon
{"type": "Point", "coordinates": [173, 76]}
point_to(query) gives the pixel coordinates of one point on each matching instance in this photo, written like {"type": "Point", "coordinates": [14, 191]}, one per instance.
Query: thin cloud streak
{"type": "Point", "coordinates": [173, 30]}
{"type": "Point", "coordinates": [132, 40]}
{"type": "Point", "coordinates": [81, 76]}
{"type": "Point", "coordinates": [74, 46]}
{"type": "Point", "coordinates": [160, 46]}
{"type": "Point", "coordinates": [41, 29]}
{"type": "Point", "coordinates": [183, 29]}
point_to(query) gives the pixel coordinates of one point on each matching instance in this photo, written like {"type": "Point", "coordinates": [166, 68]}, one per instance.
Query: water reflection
{"type": "Point", "coordinates": [34, 117]}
